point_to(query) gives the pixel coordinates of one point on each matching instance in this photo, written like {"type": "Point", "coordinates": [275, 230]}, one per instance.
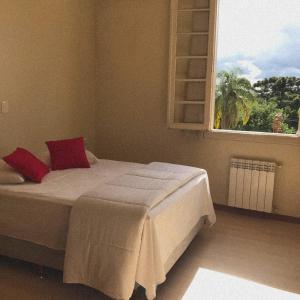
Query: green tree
{"type": "Point", "coordinates": [262, 116]}
{"type": "Point", "coordinates": [234, 98]}
{"type": "Point", "coordinates": [285, 92]}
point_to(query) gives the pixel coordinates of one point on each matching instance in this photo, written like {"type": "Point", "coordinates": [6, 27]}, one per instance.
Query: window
{"type": "Point", "coordinates": [258, 66]}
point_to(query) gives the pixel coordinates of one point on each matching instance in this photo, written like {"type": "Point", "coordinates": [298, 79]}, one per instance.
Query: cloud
{"type": "Point", "coordinates": [254, 27]}
{"type": "Point", "coordinates": [262, 40]}
{"type": "Point", "coordinates": [249, 70]}
{"type": "Point", "coordinates": [283, 60]}
{"type": "Point", "coordinates": [286, 60]}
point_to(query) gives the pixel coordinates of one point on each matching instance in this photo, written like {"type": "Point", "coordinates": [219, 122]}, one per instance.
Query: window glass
{"type": "Point", "coordinates": [258, 66]}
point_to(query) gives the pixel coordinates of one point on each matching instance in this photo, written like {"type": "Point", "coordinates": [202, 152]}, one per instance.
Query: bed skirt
{"type": "Point", "coordinates": [51, 258]}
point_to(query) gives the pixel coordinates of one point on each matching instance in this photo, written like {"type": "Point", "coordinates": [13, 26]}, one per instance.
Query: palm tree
{"type": "Point", "coordinates": [234, 96]}
{"type": "Point", "coordinates": [298, 131]}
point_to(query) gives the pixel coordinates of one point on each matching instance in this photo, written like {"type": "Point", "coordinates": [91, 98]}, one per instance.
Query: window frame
{"type": "Point", "coordinates": [209, 113]}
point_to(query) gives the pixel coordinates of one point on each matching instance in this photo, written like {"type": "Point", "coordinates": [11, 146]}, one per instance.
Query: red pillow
{"type": "Point", "coordinates": [68, 154]}
{"type": "Point", "coordinates": [27, 164]}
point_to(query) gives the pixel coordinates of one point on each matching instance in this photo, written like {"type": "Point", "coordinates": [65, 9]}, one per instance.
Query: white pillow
{"type": "Point", "coordinates": [91, 157]}
{"type": "Point", "coordinates": [8, 175]}
{"type": "Point", "coordinates": [45, 157]}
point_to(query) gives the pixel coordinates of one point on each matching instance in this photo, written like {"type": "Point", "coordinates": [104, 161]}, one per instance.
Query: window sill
{"type": "Point", "coordinates": [254, 137]}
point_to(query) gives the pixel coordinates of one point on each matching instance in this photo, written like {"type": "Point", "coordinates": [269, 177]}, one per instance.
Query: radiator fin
{"type": "Point", "coordinates": [251, 184]}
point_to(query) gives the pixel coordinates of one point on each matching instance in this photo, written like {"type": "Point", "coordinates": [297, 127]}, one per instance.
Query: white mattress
{"type": "Point", "coordinates": [65, 186]}
{"type": "Point", "coordinates": [39, 213]}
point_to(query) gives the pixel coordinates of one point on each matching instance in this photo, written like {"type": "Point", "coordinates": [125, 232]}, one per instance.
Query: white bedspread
{"type": "Point", "coordinates": [39, 213]}
{"type": "Point", "coordinates": [66, 186]}
{"type": "Point", "coordinates": [108, 233]}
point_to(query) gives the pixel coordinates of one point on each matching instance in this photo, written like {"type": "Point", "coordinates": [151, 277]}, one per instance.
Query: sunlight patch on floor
{"type": "Point", "coordinates": [212, 285]}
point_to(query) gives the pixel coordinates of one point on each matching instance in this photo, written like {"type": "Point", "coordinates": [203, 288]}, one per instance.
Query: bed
{"type": "Point", "coordinates": [35, 218]}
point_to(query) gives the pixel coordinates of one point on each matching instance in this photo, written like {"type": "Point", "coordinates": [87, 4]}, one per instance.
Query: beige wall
{"type": "Point", "coordinates": [47, 71]}
{"type": "Point", "coordinates": [132, 64]}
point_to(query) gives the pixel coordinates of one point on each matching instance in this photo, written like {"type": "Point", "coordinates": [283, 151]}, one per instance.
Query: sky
{"type": "Point", "coordinates": [261, 37]}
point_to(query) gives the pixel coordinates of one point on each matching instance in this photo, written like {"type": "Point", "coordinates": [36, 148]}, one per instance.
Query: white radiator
{"type": "Point", "coordinates": [251, 184]}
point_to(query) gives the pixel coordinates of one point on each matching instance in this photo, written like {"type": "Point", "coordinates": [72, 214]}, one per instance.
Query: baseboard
{"type": "Point", "coordinates": [260, 214]}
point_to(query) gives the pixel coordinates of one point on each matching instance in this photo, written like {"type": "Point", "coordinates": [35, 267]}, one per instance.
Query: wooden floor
{"type": "Point", "coordinates": [253, 248]}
